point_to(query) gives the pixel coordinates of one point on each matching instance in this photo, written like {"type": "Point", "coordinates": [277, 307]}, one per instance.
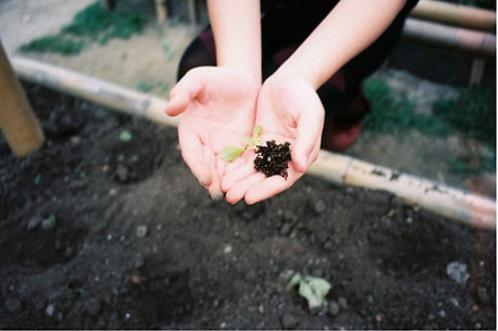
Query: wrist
{"type": "Point", "coordinates": [250, 74]}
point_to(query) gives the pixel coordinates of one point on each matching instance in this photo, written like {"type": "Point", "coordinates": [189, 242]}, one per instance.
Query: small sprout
{"type": "Point", "coordinates": [230, 153]}
{"type": "Point", "coordinates": [313, 289]}
{"type": "Point", "coordinates": [125, 136]}
{"type": "Point", "coordinates": [37, 180]}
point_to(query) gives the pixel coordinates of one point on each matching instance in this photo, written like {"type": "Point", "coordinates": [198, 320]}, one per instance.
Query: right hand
{"type": "Point", "coordinates": [218, 106]}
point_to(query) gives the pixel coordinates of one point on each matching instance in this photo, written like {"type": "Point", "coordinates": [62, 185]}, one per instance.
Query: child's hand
{"type": "Point", "coordinates": [218, 106]}
{"type": "Point", "coordinates": [289, 110]}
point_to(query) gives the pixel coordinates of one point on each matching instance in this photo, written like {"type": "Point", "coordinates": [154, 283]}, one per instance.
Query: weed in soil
{"type": "Point", "coordinates": [273, 159]}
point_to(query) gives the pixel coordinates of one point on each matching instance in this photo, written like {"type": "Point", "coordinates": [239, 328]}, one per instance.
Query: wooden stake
{"type": "Point", "coordinates": [161, 11]}
{"type": "Point", "coordinates": [109, 5]}
{"type": "Point", "coordinates": [477, 71]}
{"type": "Point", "coordinates": [465, 207]}
{"type": "Point", "coordinates": [17, 121]}
{"type": "Point", "coordinates": [192, 11]}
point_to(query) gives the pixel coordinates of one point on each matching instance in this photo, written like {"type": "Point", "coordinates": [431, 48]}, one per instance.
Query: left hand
{"type": "Point", "coordinates": [288, 110]}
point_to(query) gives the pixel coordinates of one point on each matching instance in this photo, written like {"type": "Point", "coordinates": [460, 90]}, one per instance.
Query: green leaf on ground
{"type": "Point", "coordinates": [126, 136]}
{"type": "Point", "coordinates": [313, 289]}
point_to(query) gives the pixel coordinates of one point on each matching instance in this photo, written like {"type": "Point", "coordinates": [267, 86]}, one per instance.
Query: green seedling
{"type": "Point", "coordinates": [313, 289]}
{"type": "Point", "coordinates": [125, 136]}
{"type": "Point", "coordinates": [230, 153]}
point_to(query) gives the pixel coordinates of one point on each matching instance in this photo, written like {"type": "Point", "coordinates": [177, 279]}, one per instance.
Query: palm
{"type": "Point", "coordinates": [220, 111]}
{"type": "Point", "coordinates": [288, 111]}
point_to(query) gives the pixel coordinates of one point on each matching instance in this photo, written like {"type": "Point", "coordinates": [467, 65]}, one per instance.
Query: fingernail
{"type": "Point", "coordinates": [216, 195]}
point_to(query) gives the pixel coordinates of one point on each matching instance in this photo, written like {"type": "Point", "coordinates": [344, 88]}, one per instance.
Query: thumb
{"type": "Point", "coordinates": [185, 91]}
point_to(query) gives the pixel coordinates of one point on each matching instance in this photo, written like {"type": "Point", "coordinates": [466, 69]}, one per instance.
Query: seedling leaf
{"type": "Point", "coordinates": [295, 280]}
{"type": "Point", "coordinates": [313, 289]}
{"type": "Point", "coordinates": [125, 136]}
{"type": "Point", "coordinates": [230, 153]}
{"type": "Point", "coordinates": [256, 132]}
{"type": "Point", "coordinates": [248, 141]}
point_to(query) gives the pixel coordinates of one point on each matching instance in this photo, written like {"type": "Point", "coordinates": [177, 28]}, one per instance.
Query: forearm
{"type": "Point", "coordinates": [348, 29]}
{"type": "Point", "coordinates": [236, 27]}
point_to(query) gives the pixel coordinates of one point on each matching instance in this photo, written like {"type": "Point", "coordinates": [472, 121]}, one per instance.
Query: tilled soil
{"type": "Point", "coordinates": [100, 232]}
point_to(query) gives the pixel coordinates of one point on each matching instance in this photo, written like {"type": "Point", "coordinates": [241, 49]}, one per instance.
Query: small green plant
{"type": "Point", "coordinates": [125, 136]}
{"type": "Point", "coordinates": [313, 289]}
{"type": "Point", "coordinates": [230, 153]}
{"type": "Point", "coordinates": [93, 23]}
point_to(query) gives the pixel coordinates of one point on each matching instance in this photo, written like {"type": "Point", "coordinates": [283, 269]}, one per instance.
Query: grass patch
{"type": "Point", "coordinates": [54, 44]}
{"type": "Point", "coordinates": [393, 113]}
{"type": "Point", "coordinates": [91, 24]}
{"type": "Point", "coordinates": [473, 113]}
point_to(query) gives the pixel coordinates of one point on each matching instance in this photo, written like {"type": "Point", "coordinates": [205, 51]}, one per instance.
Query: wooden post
{"type": "Point", "coordinates": [161, 11]}
{"type": "Point", "coordinates": [192, 11]}
{"type": "Point", "coordinates": [17, 121]}
{"type": "Point", "coordinates": [477, 71]}
{"type": "Point", "coordinates": [108, 4]}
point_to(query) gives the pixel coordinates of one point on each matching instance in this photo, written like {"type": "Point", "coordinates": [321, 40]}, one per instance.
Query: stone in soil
{"type": "Point", "coordinates": [48, 223]}
{"type": "Point", "coordinates": [122, 173]}
{"type": "Point", "coordinates": [343, 302]}
{"type": "Point", "coordinates": [289, 322]}
{"type": "Point", "coordinates": [50, 310]}
{"type": "Point", "coordinates": [320, 206]}
{"type": "Point", "coordinates": [33, 223]}
{"type": "Point", "coordinates": [12, 305]}
{"type": "Point", "coordinates": [334, 308]}
{"type": "Point", "coordinates": [142, 231]}
{"type": "Point", "coordinates": [458, 272]}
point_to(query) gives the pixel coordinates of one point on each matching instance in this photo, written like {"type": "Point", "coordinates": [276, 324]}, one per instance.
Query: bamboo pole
{"type": "Point", "coordinates": [18, 123]}
{"type": "Point", "coordinates": [470, 41]}
{"type": "Point", "coordinates": [452, 14]}
{"type": "Point", "coordinates": [466, 207]}
{"type": "Point", "coordinates": [103, 93]}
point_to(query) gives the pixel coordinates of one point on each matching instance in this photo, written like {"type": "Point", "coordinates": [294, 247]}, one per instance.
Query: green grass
{"type": "Point", "coordinates": [473, 113]}
{"type": "Point", "coordinates": [393, 113]}
{"type": "Point", "coordinates": [91, 24]}
{"type": "Point", "coordinates": [53, 44]}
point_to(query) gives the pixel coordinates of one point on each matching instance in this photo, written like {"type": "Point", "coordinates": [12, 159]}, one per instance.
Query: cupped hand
{"type": "Point", "coordinates": [288, 110]}
{"type": "Point", "coordinates": [218, 106]}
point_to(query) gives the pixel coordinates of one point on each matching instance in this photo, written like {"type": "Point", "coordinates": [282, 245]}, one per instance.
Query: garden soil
{"type": "Point", "coordinates": [105, 227]}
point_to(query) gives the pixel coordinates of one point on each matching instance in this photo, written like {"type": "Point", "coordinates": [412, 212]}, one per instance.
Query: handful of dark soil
{"type": "Point", "coordinates": [273, 159]}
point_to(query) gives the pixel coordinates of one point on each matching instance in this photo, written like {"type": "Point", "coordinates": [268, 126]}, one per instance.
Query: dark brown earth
{"type": "Point", "coordinates": [96, 232]}
{"type": "Point", "coordinates": [273, 159]}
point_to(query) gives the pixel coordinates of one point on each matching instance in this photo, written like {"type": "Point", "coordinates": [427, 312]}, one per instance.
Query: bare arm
{"type": "Point", "coordinates": [237, 31]}
{"type": "Point", "coordinates": [348, 29]}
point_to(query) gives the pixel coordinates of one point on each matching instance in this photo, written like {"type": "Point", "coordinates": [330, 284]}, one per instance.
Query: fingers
{"type": "Point", "coordinates": [238, 190]}
{"type": "Point", "coordinates": [237, 171]}
{"type": "Point", "coordinates": [309, 133]}
{"type": "Point", "coordinates": [194, 154]}
{"type": "Point", "coordinates": [214, 188]}
{"type": "Point", "coordinates": [270, 186]}
{"type": "Point", "coordinates": [185, 91]}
